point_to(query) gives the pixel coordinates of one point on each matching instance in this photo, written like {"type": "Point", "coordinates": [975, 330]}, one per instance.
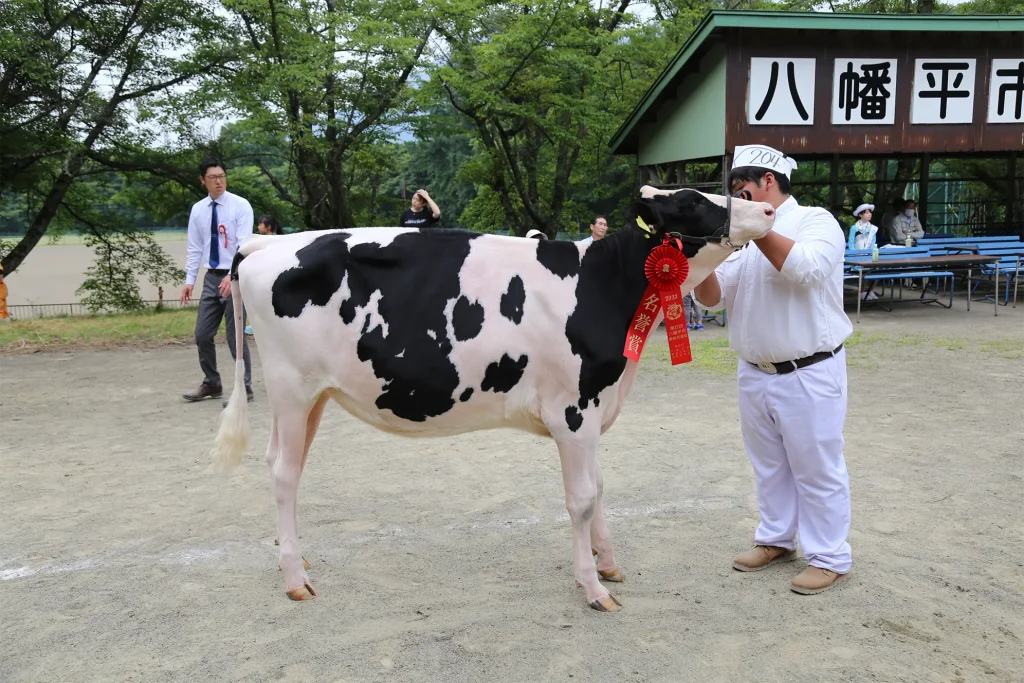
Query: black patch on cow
{"type": "Point", "coordinates": [416, 275]}
{"type": "Point", "coordinates": [513, 299]}
{"type": "Point", "coordinates": [315, 280]}
{"type": "Point", "coordinates": [561, 258]}
{"type": "Point", "coordinates": [611, 284]}
{"type": "Point", "coordinates": [467, 319]}
{"type": "Point", "coordinates": [573, 418]}
{"type": "Point", "coordinates": [466, 394]}
{"type": "Point", "coordinates": [503, 375]}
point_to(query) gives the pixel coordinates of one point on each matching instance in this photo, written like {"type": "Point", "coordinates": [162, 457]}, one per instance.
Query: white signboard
{"type": "Point", "coordinates": [943, 91]}
{"type": "Point", "coordinates": [780, 92]}
{"type": "Point", "coordinates": [1006, 91]}
{"type": "Point", "coordinates": [864, 91]}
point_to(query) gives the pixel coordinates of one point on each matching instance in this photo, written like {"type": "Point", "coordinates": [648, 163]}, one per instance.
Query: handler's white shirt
{"type": "Point", "coordinates": [235, 214]}
{"type": "Point", "coordinates": [784, 315]}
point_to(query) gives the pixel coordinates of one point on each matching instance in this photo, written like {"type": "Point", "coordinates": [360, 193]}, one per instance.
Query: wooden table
{"type": "Point", "coordinates": [950, 262]}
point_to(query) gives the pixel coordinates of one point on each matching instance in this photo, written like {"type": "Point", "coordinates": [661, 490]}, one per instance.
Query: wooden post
{"type": "Point", "coordinates": [1012, 201]}
{"type": "Point", "coordinates": [833, 183]}
{"type": "Point", "coordinates": [922, 199]}
{"type": "Point", "coordinates": [879, 199]}
{"type": "Point", "coordinates": [726, 167]}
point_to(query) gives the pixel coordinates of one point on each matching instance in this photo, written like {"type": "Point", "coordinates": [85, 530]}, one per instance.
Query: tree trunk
{"type": "Point", "coordinates": [47, 211]}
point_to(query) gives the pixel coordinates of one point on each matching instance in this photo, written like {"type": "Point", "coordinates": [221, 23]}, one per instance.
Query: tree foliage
{"type": "Point", "coordinates": [79, 79]}
{"type": "Point", "coordinates": [326, 76]}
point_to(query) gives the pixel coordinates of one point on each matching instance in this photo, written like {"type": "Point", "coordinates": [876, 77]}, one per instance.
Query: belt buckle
{"type": "Point", "coordinates": [768, 368]}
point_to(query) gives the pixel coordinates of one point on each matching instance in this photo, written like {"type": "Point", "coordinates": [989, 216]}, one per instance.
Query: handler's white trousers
{"type": "Point", "coordinates": [792, 428]}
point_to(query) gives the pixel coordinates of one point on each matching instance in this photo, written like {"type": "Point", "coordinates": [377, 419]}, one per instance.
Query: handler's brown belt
{"type": "Point", "coordinates": [791, 365]}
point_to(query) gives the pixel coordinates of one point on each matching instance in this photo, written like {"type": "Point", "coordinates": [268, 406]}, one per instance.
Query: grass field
{"type": "Point", "coordinates": [711, 353]}
{"type": "Point", "coordinates": [149, 328]}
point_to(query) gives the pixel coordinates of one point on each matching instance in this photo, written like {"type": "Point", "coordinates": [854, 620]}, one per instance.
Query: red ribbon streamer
{"type": "Point", "coordinates": [223, 231]}
{"type": "Point", "coordinates": [666, 269]}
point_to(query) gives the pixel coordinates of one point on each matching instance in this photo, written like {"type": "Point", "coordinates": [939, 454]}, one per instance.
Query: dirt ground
{"type": "Point", "coordinates": [122, 558]}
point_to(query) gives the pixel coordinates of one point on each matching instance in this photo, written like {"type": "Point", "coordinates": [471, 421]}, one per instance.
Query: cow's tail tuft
{"type": "Point", "coordinates": [233, 435]}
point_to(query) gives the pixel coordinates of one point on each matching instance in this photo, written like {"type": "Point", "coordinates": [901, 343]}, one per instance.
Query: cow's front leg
{"type": "Point", "coordinates": [580, 475]}
{"type": "Point", "coordinates": [286, 471]}
{"type": "Point", "coordinates": [601, 539]}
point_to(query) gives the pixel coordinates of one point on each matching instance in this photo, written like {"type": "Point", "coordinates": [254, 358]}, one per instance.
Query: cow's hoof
{"type": "Point", "coordinates": [613, 575]}
{"type": "Point", "coordinates": [306, 565]}
{"type": "Point", "coordinates": [307, 592]}
{"type": "Point", "coordinates": [608, 603]}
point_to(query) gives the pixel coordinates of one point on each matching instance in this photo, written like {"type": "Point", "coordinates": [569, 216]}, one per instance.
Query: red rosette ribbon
{"type": "Point", "coordinates": [666, 269]}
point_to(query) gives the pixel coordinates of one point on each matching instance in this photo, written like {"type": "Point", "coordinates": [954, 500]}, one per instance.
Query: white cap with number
{"type": "Point", "coordinates": [763, 156]}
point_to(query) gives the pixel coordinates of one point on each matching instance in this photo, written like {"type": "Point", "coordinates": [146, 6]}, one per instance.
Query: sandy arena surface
{"type": "Point", "coordinates": [52, 273]}
{"type": "Point", "coordinates": [123, 559]}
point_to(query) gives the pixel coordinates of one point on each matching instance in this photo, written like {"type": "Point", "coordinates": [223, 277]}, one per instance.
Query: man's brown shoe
{"type": "Point", "coordinates": [761, 556]}
{"type": "Point", "coordinates": [815, 580]}
{"type": "Point", "coordinates": [204, 391]}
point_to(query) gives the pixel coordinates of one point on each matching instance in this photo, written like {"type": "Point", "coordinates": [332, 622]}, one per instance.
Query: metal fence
{"type": "Point", "coordinates": [35, 311]}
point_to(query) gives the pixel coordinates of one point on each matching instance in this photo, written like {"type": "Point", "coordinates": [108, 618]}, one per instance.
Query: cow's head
{"type": "Point", "coordinates": [701, 217]}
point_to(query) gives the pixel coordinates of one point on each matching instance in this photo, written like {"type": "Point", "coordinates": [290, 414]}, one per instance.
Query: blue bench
{"type": "Point", "coordinates": [1010, 267]}
{"type": "Point", "coordinates": [928, 240]}
{"type": "Point", "coordinates": [892, 276]}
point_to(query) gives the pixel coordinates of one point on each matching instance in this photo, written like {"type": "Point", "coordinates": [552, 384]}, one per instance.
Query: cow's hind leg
{"type": "Point", "coordinates": [293, 439]}
{"type": "Point", "coordinates": [601, 539]}
{"type": "Point", "coordinates": [312, 424]}
{"type": "Point", "coordinates": [581, 476]}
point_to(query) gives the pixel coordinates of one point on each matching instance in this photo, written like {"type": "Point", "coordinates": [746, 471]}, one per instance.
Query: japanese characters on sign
{"type": "Point", "coordinates": [943, 91]}
{"type": "Point", "coordinates": [863, 91]}
{"type": "Point", "coordinates": [781, 91]}
{"type": "Point", "coordinates": [1006, 91]}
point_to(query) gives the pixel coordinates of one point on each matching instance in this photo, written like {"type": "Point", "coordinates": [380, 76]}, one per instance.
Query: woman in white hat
{"type": "Point", "coordinates": [537, 235]}
{"type": "Point", "coordinates": [862, 236]}
{"type": "Point", "coordinates": [862, 233]}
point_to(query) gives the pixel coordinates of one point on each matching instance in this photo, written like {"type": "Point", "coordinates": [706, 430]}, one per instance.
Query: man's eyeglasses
{"type": "Point", "coordinates": [215, 177]}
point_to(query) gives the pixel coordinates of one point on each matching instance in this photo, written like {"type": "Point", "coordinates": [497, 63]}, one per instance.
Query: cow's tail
{"type": "Point", "coordinates": [233, 435]}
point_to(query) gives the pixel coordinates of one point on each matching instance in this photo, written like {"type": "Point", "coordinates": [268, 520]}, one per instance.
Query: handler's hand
{"type": "Point", "coordinates": [186, 295]}
{"type": "Point", "coordinates": [225, 286]}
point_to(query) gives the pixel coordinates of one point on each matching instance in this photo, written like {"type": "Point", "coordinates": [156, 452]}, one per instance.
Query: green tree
{"type": "Point", "coordinates": [78, 80]}
{"type": "Point", "coordinates": [325, 76]}
{"type": "Point", "coordinates": [530, 77]}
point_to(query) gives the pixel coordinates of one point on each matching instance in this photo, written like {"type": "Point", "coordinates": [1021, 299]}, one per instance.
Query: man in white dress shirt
{"type": "Point", "coordinates": [598, 229]}
{"type": "Point", "coordinates": [784, 294]}
{"type": "Point", "coordinates": [216, 226]}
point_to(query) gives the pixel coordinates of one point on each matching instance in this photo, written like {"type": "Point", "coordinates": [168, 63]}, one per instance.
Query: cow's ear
{"type": "Point", "coordinates": [642, 215]}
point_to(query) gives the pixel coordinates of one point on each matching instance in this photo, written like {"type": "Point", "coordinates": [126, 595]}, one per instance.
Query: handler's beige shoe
{"type": "Point", "coordinates": [815, 580]}
{"type": "Point", "coordinates": [761, 556]}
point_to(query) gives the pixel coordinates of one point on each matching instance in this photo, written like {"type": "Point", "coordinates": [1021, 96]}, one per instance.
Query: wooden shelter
{"type": "Point", "coordinates": [826, 86]}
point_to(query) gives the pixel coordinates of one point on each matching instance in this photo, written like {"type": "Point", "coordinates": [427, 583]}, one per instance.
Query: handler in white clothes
{"type": "Point", "coordinates": [784, 294]}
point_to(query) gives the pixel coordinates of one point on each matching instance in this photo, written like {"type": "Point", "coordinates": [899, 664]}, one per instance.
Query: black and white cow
{"type": "Point", "coordinates": [441, 332]}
